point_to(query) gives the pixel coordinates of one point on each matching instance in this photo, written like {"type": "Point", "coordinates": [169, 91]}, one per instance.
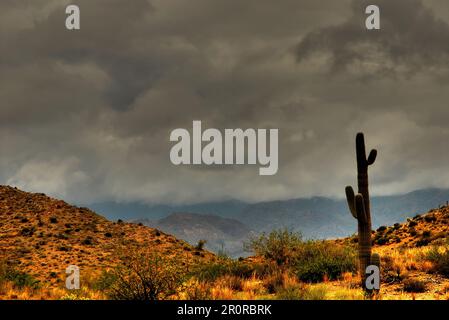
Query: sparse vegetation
{"type": "Point", "coordinates": [317, 260]}
{"type": "Point", "coordinates": [440, 258]}
{"type": "Point", "coordinates": [224, 267]}
{"type": "Point", "coordinates": [18, 278]}
{"type": "Point", "coordinates": [278, 246]}
{"type": "Point", "coordinates": [413, 285]}
{"type": "Point", "coordinates": [311, 261]}
{"type": "Point", "coordinates": [146, 276]}
{"type": "Point", "coordinates": [414, 260]}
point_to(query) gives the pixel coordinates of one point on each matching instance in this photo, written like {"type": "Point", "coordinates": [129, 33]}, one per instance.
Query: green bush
{"type": "Point", "coordinates": [317, 259]}
{"type": "Point", "coordinates": [440, 260]}
{"type": "Point", "coordinates": [278, 246]}
{"type": "Point", "coordinates": [311, 261]}
{"type": "Point", "coordinates": [415, 286]}
{"type": "Point", "coordinates": [412, 223]}
{"type": "Point", "coordinates": [422, 242]}
{"type": "Point", "coordinates": [145, 275]}
{"type": "Point", "coordinates": [211, 271]}
{"type": "Point", "coordinates": [18, 278]}
{"type": "Point", "coordinates": [105, 281]}
{"type": "Point", "coordinates": [381, 241]}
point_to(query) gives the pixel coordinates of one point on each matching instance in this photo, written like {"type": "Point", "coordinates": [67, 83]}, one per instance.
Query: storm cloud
{"type": "Point", "coordinates": [87, 115]}
{"type": "Point", "coordinates": [412, 39]}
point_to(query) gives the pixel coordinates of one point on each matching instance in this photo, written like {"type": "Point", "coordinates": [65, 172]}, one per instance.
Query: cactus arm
{"type": "Point", "coordinates": [372, 157]}
{"type": "Point", "coordinates": [350, 198]}
{"type": "Point", "coordinates": [360, 208]}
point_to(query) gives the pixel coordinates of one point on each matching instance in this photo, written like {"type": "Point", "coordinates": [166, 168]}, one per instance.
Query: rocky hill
{"type": "Point", "coordinates": [43, 236]}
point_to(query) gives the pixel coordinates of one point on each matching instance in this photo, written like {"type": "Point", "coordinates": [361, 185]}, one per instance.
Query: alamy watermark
{"type": "Point", "coordinates": [372, 281]}
{"type": "Point", "coordinates": [72, 281]}
{"type": "Point", "coordinates": [73, 19]}
{"type": "Point", "coordinates": [212, 147]}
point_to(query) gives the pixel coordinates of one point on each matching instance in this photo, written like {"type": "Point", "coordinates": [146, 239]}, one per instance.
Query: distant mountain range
{"type": "Point", "coordinates": [224, 235]}
{"type": "Point", "coordinates": [316, 217]}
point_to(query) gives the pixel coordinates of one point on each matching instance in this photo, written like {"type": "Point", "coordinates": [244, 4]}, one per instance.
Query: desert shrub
{"type": "Point", "coordinates": [232, 282]}
{"type": "Point", "coordinates": [87, 241]}
{"type": "Point", "coordinates": [224, 267]}
{"type": "Point", "coordinates": [200, 245]}
{"type": "Point", "coordinates": [290, 293]}
{"type": "Point", "coordinates": [381, 241]}
{"type": "Point", "coordinates": [380, 238]}
{"type": "Point", "coordinates": [104, 281]}
{"type": "Point", "coordinates": [426, 233]}
{"type": "Point", "coordinates": [27, 232]}
{"type": "Point", "coordinates": [311, 261]}
{"type": "Point", "coordinates": [146, 276]}
{"type": "Point", "coordinates": [273, 281]}
{"type": "Point", "coordinates": [415, 286]}
{"type": "Point", "coordinates": [3, 271]}
{"type": "Point", "coordinates": [430, 218]}
{"type": "Point", "coordinates": [53, 220]}
{"type": "Point", "coordinates": [19, 279]}
{"type": "Point", "coordinates": [391, 270]}
{"type": "Point", "coordinates": [195, 290]}
{"type": "Point", "coordinates": [381, 229]}
{"type": "Point", "coordinates": [300, 292]}
{"type": "Point", "coordinates": [423, 241]}
{"type": "Point", "coordinates": [412, 223]}
{"type": "Point", "coordinates": [278, 246]}
{"type": "Point", "coordinates": [440, 259]}
{"type": "Point", "coordinates": [318, 259]}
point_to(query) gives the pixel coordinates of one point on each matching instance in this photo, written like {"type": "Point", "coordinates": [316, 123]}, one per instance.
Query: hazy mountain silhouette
{"type": "Point", "coordinates": [316, 217]}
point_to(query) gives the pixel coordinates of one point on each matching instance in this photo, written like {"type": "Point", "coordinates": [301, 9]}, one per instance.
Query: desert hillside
{"type": "Point", "coordinates": [42, 236]}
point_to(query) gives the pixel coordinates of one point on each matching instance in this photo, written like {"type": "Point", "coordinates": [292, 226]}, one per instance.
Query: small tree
{"type": "Point", "coordinates": [200, 245]}
{"type": "Point", "coordinates": [278, 246]}
{"type": "Point", "coordinates": [147, 276]}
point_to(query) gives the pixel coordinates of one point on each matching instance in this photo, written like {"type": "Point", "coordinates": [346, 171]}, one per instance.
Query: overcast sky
{"type": "Point", "coordinates": [86, 115]}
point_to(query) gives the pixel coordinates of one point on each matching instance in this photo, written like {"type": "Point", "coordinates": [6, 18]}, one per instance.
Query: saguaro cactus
{"type": "Point", "coordinates": [359, 205]}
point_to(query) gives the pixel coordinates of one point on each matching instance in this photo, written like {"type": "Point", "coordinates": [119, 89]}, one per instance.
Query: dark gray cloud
{"type": "Point", "coordinates": [411, 39]}
{"type": "Point", "coordinates": [87, 115]}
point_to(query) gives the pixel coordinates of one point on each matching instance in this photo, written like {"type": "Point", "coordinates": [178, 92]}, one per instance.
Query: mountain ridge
{"type": "Point", "coordinates": [315, 217]}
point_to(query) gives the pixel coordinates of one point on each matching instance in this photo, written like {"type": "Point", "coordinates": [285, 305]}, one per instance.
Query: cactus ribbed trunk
{"type": "Point", "coordinates": [359, 206]}
{"type": "Point", "coordinates": [364, 230]}
{"type": "Point", "coordinates": [362, 173]}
